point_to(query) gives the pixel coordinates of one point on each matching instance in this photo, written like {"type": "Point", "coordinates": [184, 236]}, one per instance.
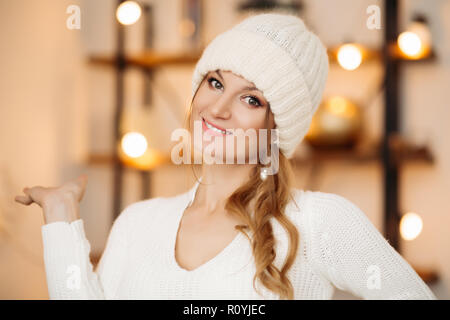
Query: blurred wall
{"type": "Point", "coordinates": [42, 128]}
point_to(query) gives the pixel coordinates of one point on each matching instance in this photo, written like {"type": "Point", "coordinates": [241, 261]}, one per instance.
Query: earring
{"type": "Point", "coordinates": [263, 173]}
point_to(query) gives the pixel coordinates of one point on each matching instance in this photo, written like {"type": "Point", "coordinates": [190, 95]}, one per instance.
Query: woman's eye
{"type": "Point", "coordinates": [254, 101]}
{"type": "Point", "coordinates": [214, 81]}
{"type": "Point", "coordinates": [217, 85]}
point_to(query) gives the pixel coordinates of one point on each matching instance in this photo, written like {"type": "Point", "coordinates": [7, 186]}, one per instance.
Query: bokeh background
{"type": "Point", "coordinates": [81, 92]}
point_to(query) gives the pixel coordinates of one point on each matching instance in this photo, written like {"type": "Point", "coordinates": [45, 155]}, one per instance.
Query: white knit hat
{"type": "Point", "coordinates": [283, 58]}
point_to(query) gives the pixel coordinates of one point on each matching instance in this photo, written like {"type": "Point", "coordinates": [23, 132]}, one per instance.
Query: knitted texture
{"type": "Point", "coordinates": [339, 247]}
{"type": "Point", "coordinates": [283, 58]}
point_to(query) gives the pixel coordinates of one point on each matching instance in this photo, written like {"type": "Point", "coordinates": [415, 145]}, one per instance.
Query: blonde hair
{"type": "Point", "coordinates": [269, 198]}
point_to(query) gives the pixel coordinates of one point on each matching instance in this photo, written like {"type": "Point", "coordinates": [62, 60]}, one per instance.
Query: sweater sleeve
{"type": "Point", "coordinates": [353, 255]}
{"type": "Point", "coordinates": [68, 268]}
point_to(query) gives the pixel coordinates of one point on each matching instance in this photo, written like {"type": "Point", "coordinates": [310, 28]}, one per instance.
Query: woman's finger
{"type": "Point", "coordinates": [26, 200]}
{"type": "Point", "coordinates": [37, 194]}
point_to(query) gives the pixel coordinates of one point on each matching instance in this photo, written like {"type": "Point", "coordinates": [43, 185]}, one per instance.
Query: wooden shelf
{"type": "Point", "coordinates": [100, 159]}
{"type": "Point", "coordinates": [360, 153]}
{"type": "Point", "coordinates": [149, 59]}
{"type": "Point", "coordinates": [398, 55]}
{"type": "Point", "coordinates": [104, 159]}
{"type": "Point", "coordinates": [403, 152]}
{"type": "Point", "coordinates": [371, 54]}
{"type": "Point", "coordinates": [153, 59]}
{"type": "Point", "coordinates": [428, 276]}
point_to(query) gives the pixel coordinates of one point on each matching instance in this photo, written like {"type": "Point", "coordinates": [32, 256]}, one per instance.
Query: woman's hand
{"type": "Point", "coordinates": [58, 203]}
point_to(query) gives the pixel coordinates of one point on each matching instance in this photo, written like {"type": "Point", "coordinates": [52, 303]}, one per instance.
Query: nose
{"type": "Point", "coordinates": [221, 108]}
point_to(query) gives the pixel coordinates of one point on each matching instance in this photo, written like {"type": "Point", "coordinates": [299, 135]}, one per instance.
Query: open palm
{"type": "Point", "coordinates": [42, 195]}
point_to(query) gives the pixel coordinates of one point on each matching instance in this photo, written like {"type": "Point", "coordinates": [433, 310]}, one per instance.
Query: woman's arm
{"type": "Point", "coordinates": [70, 274]}
{"type": "Point", "coordinates": [353, 255]}
{"type": "Point", "coordinates": [69, 271]}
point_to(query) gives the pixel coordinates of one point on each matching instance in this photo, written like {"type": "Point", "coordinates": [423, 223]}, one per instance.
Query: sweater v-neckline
{"type": "Point", "coordinates": [188, 198]}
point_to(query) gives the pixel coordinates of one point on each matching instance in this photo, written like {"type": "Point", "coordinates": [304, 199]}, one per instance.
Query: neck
{"type": "Point", "coordinates": [219, 181]}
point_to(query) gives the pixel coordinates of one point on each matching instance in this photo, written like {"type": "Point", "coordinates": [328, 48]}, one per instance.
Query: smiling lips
{"type": "Point", "coordinates": [213, 130]}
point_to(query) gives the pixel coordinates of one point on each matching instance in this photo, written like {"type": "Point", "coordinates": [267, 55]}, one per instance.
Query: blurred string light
{"type": "Point", "coordinates": [187, 27]}
{"type": "Point", "coordinates": [340, 106]}
{"type": "Point", "coordinates": [415, 42]}
{"type": "Point", "coordinates": [128, 12]}
{"type": "Point", "coordinates": [350, 56]}
{"type": "Point", "coordinates": [410, 226]}
{"type": "Point", "coordinates": [134, 144]}
{"type": "Point", "coordinates": [409, 43]}
{"type": "Point", "coordinates": [336, 123]}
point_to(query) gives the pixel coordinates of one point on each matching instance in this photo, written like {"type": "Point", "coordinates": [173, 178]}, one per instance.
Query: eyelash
{"type": "Point", "coordinates": [211, 79]}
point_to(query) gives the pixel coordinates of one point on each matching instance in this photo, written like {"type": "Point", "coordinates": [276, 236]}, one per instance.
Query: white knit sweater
{"type": "Point", "coordinates": [339, 247]}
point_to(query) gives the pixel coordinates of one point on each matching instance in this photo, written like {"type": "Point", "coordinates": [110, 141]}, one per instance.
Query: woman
{"type": "Point", "coordinates": [241, 232]}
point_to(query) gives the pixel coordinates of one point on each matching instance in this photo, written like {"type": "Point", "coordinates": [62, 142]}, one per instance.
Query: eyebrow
{"type": "Point", "coordinates": [244, 88]}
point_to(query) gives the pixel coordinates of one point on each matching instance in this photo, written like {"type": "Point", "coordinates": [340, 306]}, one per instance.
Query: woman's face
{"type": "Point", "coordinates": [227, 101]}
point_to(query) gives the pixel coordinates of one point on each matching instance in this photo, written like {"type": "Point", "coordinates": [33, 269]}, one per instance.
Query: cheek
{"type": "Point", "coordinates": [203, 99]}
{"type": "Point", "coordinates": [251, 118]}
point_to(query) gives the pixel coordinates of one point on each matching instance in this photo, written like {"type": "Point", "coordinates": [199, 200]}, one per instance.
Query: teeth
{"type": "Point", "coordinates": [216, 129]}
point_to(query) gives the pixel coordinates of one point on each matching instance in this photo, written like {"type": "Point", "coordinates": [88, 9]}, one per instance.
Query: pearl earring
{"type": "Point", "coordinates": [263, 173]}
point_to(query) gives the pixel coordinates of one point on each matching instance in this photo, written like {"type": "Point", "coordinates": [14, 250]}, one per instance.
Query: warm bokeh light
{"type": "Point", "coordinates": [134, 144]}
{"type": "Point", "coordinates": [410, 226]}
{"type": "Point", "coordinates": [150, 160]}
{"type": "Point", "coordinates": [187, 27]}
{"type": "Point", "coordinates": [337, 122]}
{"type": "Point", "coordinates": [349, 56]}
{"type": "Point", "coordinates": [409, 43]}
{"type": "Point", "coordinates": [128, 12]}
{"type": "Point", "coordinates": [340, 106]}
{"type": "Point", "coordinates": [416, 41]}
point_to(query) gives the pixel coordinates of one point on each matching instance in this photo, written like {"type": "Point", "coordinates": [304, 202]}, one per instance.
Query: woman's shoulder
{"type": "Point", "coordinates": [324, 207]}
{"type": "Point", "coordinates": [333, 204]}
{"type": "Point", "coordinates": [152, 207]}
